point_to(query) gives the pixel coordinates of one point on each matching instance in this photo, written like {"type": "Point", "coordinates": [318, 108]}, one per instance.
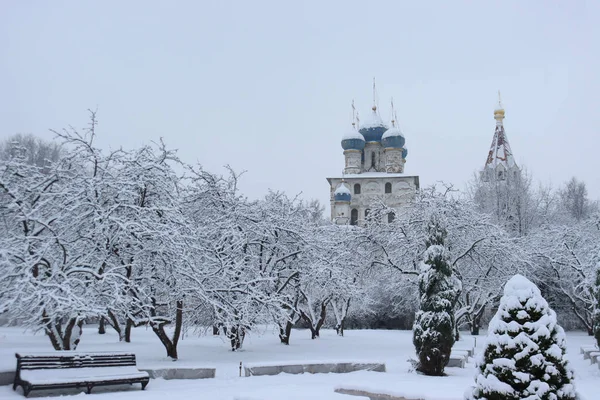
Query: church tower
{"type": "Point", "coordinates": [374, 154]}
{"type": "Point", "coordinates": [502, 191]}
{"type": "Point", "coordinates": [500, 164]}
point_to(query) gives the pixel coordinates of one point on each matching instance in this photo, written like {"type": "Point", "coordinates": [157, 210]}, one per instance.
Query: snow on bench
{"type": "Point", "coordinates": [315, 367]}
{"type": "Point", "coordinates": [586, 350]}
{"type": "Point", "coordinates": [458, 358]}
{"type": "Point", "coordinates": [458, 361]}
{"type": "Point", "coordinates": [67, 369]}
{"type": "Point", "coordinates": [595, 357]}
{"type": "Point", "coordinates": [469, 351]}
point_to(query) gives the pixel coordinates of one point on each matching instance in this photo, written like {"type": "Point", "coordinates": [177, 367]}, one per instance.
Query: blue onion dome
{"type": "Point", "coordinates": [353, 140]}
{"type": "Point", "coordinates": [342, 193]}
{"type": "Point", "coordinates": [404, 152]}
{"type": "Point", "coordinates": [373, 127]}
{"type": "Point", "coordinates": [393, 138]}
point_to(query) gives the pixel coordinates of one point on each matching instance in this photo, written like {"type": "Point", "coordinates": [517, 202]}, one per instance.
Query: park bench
{"type": "Point", "coordinates": [76, 370]}
{"type": "Point", "coordinates": [586, 350]}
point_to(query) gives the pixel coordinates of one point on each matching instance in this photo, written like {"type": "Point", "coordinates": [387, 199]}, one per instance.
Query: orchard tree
{"type": "Point", "coordinates": [524, 355]}
{"type": "Point", "coordinates": [564, 259]}
{"type": "Point", "coordinates": [48, 251]}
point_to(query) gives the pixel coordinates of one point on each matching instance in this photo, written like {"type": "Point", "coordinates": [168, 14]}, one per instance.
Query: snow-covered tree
{"type": "Point", "coordinates": [37, 152]}
{"type": "Point", "coordinates": [597, 306]}
{"type": "Point", "coordinates": [564, 265]}
{"type": "Point", "coordinates": [48, 271]}
{"type": "Point", "coordinates": [524, 356]}
{"type": "Point", "coordinates": [433, 330]}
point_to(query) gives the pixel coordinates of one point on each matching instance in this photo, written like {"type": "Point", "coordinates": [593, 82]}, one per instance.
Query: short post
{"type": "Point", "coordinates": [240, 368]}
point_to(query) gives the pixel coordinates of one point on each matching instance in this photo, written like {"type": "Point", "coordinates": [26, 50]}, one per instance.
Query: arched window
{"type": "Point", "coordinates": [391, 217]}
{"type": "Point", "coordinates": [388, 187]}
{"type": "Point", "coordinates": [353, 216]}
{"type": "Point", "coordinates": [501, 175]}
{"type": "Point", "coordinates": [367, 213]}
{"type": "Point", "coordinates": [356, 188]}
{"type": "Point", "coordinates": [373, 159]}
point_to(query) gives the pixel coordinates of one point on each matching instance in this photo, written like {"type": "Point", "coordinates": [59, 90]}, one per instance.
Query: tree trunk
{"type": "Point", "coordinates": [475, 326]}
{"type": "Point", "coordinates": [101, 326]}
{"type": "Point", "coordinates": [159, 330]}
{"type": "Point", "coordinates": [215, 330]}
{"type": "Point", "coordinates": [114, 322]}
{"type": "Point", "coordinates": [67, 340]}
{"type": "Point", "coordinates": [129, 324]}
{"type": "Point", "coordinates": [315, 328]}
{"type": "Point", "coordinates": [339, 327]}
{"type": "Point", "coordinates": [285, 332]}
{"type": "Point", "coordinates": [73, 333]}
{"type": "Point", "coordinates": [340, 310]}
{"type": "Point", "coordinates": [236, 335]}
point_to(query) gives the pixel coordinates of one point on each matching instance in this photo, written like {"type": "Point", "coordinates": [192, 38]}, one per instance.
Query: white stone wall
{"type": "Point", "coordinates": [394, 163]}
{"type": "Point", "coordinates": [353, 161]}
{"type": "Point", "coordinates": [372, 190]}
{"type": "Point", "coordinates": [373, 149]}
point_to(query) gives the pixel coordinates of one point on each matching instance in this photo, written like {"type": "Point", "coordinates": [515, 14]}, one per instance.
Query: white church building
{"type": "Point", "coordinates": [375, 154]}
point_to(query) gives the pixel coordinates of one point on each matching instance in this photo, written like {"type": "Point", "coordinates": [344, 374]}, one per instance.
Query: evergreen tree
{"type": "Point", "coordinates": [524, 355]}
{"type": "Point", "coordinates": [433, 330]}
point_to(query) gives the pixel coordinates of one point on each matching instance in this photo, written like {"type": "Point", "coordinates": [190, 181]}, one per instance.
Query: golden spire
{"type": "Point", "coordinates": [393, 112]}
{"type": "Point", "coordinates": [499, 111]}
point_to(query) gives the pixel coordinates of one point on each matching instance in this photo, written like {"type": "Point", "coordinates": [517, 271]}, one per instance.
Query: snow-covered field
{"type": "Point", "coordinates": [392, 347]}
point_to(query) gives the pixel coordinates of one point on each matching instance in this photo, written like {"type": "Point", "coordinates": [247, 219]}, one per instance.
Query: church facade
{"type": "Point", "coordinates": [375, 155]}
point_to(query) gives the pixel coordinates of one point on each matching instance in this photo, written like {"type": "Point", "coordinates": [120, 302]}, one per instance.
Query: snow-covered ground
{"type": "Point", "coordinates": [392, 347]}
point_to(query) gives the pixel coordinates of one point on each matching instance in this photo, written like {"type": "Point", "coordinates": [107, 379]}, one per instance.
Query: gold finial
{"type": "Point", "coordinates": [393, 112]}
{"type": "Point", "coordinates": [499, 111]}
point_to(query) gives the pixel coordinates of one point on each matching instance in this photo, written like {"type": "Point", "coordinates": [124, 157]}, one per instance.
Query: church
{"type": "Point", "coordinates": [375, 154]}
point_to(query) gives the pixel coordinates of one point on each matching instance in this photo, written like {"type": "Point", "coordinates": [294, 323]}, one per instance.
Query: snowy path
{"type": "Point", "coordinates": [392, 347]}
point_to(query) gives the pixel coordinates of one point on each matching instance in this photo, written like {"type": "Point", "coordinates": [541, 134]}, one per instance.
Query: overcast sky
{"type": "Point", "coordinates": [267, 86]}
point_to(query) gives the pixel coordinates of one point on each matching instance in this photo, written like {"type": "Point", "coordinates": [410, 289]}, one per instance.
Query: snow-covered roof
{"type": "Point", "coordinates": [372, 175]}
{"type": "Point", "coordinates": [393, 131]}
{"type": "Point", "coordinates": [373, 120]}
{"type": "Point", "coordinates": [353, 134]}
{"type": "Point", "coordinates": [342, 189]}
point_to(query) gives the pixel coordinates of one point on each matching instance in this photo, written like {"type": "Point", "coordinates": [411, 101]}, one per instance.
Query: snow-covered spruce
{"type": "Point", "coordinates": [433, 330]}
{"type": "Point", "coordinates": [524, 356]}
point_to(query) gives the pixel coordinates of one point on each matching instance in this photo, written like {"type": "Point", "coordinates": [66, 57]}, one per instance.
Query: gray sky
{"type": "Point", "coordinates": [266, 86]}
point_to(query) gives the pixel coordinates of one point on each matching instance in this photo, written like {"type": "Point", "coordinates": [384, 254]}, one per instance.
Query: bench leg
{"type": "Point", "coordinates": [89, 389]}
{"type": "Point", "coordinates": [26, 390]}
{"type": "Point", "coordinates": [144, 384]}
